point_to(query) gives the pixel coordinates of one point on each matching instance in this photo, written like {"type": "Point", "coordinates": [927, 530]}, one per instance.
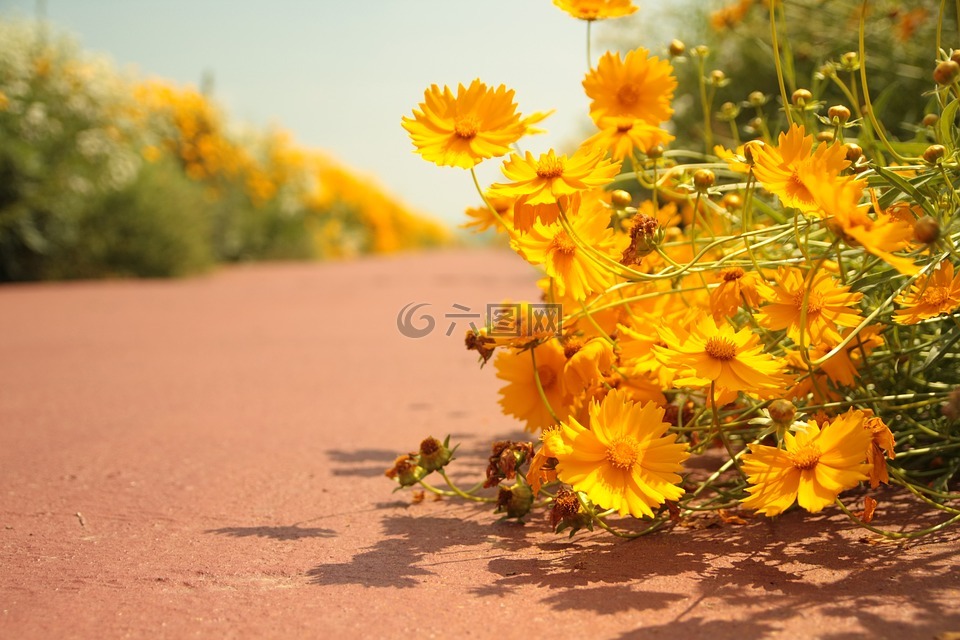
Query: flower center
{"type": "Point", "coordinates": [934, 296]}
{"type": "Point", "coordinates": [550, 167]}
{"type": "Point", "coordinates": [562, 244]}
{"type": "Point", "coordinates": [623, 452]}
{"type": "Point", "coordinates": [734, 273]}
{"type": "Point", "coordinates": [796, 189]}
{"type": "Point", "coordinates": [466, 127]}
{"type": "Point", "coordinates": [628, 95]}
{"type": "Point", "coordinates": [624, 125]}
{"type": "Point", "coordinates": [814, 302]}
{"type": "Point", "coordinates": [806, 457]}
{"type": "Point", "coordinates": [721, 348]}
{"type": "Point", "coordinates": [547, 377]}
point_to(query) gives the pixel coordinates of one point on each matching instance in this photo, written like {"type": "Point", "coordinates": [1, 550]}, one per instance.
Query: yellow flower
{"type": "Point", "coordinates": [596, 9]}
{"type": "Point", "coordinates": [538, 185]}
{"type": "Point", "coordinates": [839, 202]}
{"type": "Point", "coordinates": [575, 273]}
{"type": "Point", "coordinates": [462, 130]}
{"type": "Point", "coordinates": [813, 468]}
{"type": "Point", "coordinates": [828, 305]}
{"type": "Point", "coordinates": [841, 368]}
{"type": "Point", "coordinates": [930, 296]}
{"type": "Point", "coordinates": [880, 448]}
{"type": "Point", "coordinates": [789, 171]}
{"type": "Point", "coordinates": [638, 87]}
{"type": "Point", "coordinates": [586, 363]}
{"type": "Point", "coordinates": [622, 136]}
{"type": "Point", "coordinates": [623, 461]}
{"type": "Point", "coordinates": [731, 360]}
{"type": "Point", "coordinates": [737, 288]}
{"type": "Point", "coordinates": [520, 397]}
{"type": "Point", "coordinates": [481, 218]}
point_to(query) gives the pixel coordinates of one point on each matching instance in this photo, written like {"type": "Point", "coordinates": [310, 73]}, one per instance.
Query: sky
{"type": "Point", "coordinates": [340, 75]}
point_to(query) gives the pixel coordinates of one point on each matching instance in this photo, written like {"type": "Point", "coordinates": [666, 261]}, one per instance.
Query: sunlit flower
{"type": "Point", "coordinates": [814, 466]}
{"type": "Point", "coordinates": [731, 360]}
{"type": "Point", "coordinates": [520, 397]}
{"type": "Point", "coordinates": [737, 288]}
{"type": "Point", "coordinates": [817, 308]}
{"type": "Point", "coordinates": [839, 203]}
{"type": "Point", "coordinates": [586, 363]}
{"type": "Point", "coordinates": [543, 466]}
{"type": "Point", "coordinates": [482, 218]}
{"type": "Point", "coordinates": [623, 461]}
{"type": "Point", "coordinates": [574, 270]}
{"type": "Point", "coordinates": [460, 131]}
{"type": "Point", "coordinates": [623, 136]}
{"type": "Point", "coordinates": [538, 184]}
{"type": "Point", "coordinates": [637, 87]}
{"type": "Point", "coordinates": [879, 450]}
{"type": "Point", "coordinates": [842, 368]}
{"type": "Point", "coordinates": [930, 296]}
{"type": "Point", "coordinates": [789, 170]}
{"type": "Point", "coordinates": [596, 9]}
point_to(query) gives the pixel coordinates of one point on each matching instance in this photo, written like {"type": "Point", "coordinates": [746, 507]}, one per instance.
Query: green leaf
{"type": "Point", "coordinates": [945, 125]}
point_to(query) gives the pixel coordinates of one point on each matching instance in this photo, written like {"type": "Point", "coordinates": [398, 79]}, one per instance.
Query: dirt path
{"type": "Point", "coordinates": [204, 458]}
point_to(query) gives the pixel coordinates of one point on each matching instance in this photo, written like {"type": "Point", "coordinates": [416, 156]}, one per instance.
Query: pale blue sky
{"type": "Point", "coordinates": [339, 75]}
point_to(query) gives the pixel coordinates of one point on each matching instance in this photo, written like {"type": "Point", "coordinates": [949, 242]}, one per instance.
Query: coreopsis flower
{"type": "Point", "coordinates": [880, 448]}
{"type": "Point", "coordinates": [828, 305]}
{"type": "Point", "coordinates": [790, 170]}
{"type": "Point", "coordinates": [539, 184]}
{"type": "Point", "coordinates": [623, 461]}
{"type": "Point", "coordinates": [842, 368]}
{"type": "Point", "coordinates": [814, 466]}
{"type": "Point", "coordinates": [637, 87]}
{"type": "Point", "coordinates": [543, 465]}
{"type": "Point", "coordinates": [574, 270]}
{"type": "Point", "coordinates": [708, 354]}
{"type": "Point", "coordinates": [930, 296]}
{"type": "Point", "coordinates": [462, 130]}
{"type": "Point", "coordinates": [737, 288]}
{"type": "Point", "coordinates": [586, 362]}
{"type": "Point", "coordinates": [839, 201]}
{"type": "Point", "coordinates": [737, 159]}
{"type": "Point", "coordinates": [520, 397]}
{"type": "Point", "coordinates": [481, 218]}
{"type": "Point", "coordinates": [623, 136]}
{"type": "Point", "coordinates": [596, 9]}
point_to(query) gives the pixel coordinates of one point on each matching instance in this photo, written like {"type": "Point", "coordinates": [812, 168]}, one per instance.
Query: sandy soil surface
{"type": "Point", "coordinates": [205, 458]}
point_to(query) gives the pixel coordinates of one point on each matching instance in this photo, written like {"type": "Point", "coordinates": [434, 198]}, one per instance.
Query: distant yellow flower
{"type": "Point", "coordinates": [839, 201]}
{"type": "Point", "coordinates": [789, 170]}
{"type": "Point", "coordinates": [708, 353]}
{"type": "Point", "coordinates": [596, 9]}
{"type": "Point", "coordinates": [462, 130]}
{"type": "Point", "coordinates": [481, 218]}
{"type": "Point", "coordinates": [622, 460]}
{"type": "Point", "coordinates": [520, 397]}
{"type": "Point", "coordinates": [574, 271]}
{"type": "Point", "coordinates": [737, 288]}
{"type": "Point", "coordinates": [813, 468]}
{"type": "Point", "coordinates": [637, 87]}
{"type": "Point", "coordinates": [539, 184]}
{"type": "Point", "coordinates": [829, 304]}
{"type": "Point", "coordinates": [623, 136]}
{"type": "Point", "coordinates": [930, 296]}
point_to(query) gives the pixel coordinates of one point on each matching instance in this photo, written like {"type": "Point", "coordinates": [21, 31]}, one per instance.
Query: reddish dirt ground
{"type": "Point", "coordinates": [205, 457]}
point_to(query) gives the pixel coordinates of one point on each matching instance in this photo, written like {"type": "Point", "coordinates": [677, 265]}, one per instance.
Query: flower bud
{"type": "Point", "coordinates": [729, 111]}
{"type": "Point", "coordinates": [718, 78]}
{"type": "Point", "coordinates": [701, 51]}
{"type": "Point", "coordinates": [515, 500]}
{"type": "Point", "coordinates": [732, 202]}
{"type": "Point", "coordinates": [801, 97]}
{"type": "Point", "coordinates": [850, 61]}
{"type": "Point", "coordinates": [677, 48]}
{"type": "Point", "coordinates": [757, 99]}
{"type": "Point", "coordinates": [926, 230]}
{"type": "Point", "coordinates": [782, 412]}
{"type": "Point", "coordinates": [934, 153]}
{"type": "Point", "coordinates": [434, 454]}
{"type": "Point", "coordinates": [825, 136]}
{"type": "Point", "coordinates": [930, 119]}
{"type": "Point", "coordinates": [620, 199]}
{"type": "Point", "coordinates": [656, 151]}
{"type": "Point", "coordinates": [854, 151]}
{"type": "Point", "coordinates": [839, 114]}
{"type": "Point", "coordinates": [703, 179]}
{"type": "Point", "coordinates": [946, 72]}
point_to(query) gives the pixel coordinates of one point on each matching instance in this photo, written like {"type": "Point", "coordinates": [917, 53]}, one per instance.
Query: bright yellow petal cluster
{"type": "Point", "coordinates": [790, 171]}
{"type": "Point", "coordinates": [462, 130]}
{"type": "Point", "coordinates": [930, 296]}
{"type": "Point", "coordinates": [621, 136]}
{"type": "Point", "coordinates": [813, 467]}
{"type": "Point", "coordinates": [822, 304]}
{"type": "Point", "coordinates": [623, 461]}
{"type": "Point", "coordinates": [575, 271]}
{"type": "Point", "coordinates": [596, 9]}
{"type": "Point", "coordinates": [520, 397]}
{"type": "Point", "coordinates": [637, 87]}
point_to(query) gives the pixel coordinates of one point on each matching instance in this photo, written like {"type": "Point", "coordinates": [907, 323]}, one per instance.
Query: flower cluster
{"type": "Point", "coordinates": [786, 307]}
